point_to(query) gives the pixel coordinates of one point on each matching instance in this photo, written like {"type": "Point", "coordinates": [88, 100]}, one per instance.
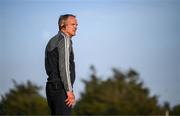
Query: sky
{"type": "Point", "coordinates": [140, 34]}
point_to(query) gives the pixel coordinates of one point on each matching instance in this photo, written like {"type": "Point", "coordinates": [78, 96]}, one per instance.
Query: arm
{"type": "Point", "coordinates": [64, 55]}
{"type": "Point", "coordinates": [63, 50]}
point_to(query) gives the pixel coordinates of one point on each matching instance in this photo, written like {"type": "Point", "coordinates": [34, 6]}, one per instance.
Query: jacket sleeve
{"type": "Point", "coordinates": [64, 54]}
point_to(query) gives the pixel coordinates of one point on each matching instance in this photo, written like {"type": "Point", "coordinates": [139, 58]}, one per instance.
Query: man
{"type": "Point", "coordinates": [60, 67]}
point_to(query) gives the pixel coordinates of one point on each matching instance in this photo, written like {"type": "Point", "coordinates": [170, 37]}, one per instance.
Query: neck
{"type": "Point", "coordinates": [66, 34]}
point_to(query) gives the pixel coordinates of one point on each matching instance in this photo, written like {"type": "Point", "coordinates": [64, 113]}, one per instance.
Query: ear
{"type": "Point", "coordinates": [62, 25]}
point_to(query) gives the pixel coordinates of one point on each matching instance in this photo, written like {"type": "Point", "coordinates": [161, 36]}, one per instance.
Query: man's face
{"type": "Point", "coordinates": [71, 26]}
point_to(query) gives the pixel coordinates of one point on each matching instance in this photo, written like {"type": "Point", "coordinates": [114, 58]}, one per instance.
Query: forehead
{"type": "Point", "coordinates": [71, 19]}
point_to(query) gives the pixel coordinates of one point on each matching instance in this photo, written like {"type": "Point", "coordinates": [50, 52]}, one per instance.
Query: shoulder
{"type": "Point", "coordinates": [54, 42]}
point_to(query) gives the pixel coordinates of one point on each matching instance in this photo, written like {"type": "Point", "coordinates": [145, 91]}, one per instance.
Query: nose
{"type": "Point", "coordinates": [75, 27]}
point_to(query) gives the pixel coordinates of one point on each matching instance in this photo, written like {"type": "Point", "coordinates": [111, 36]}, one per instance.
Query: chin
{"type": "Point", "coordinates": [73, 34]}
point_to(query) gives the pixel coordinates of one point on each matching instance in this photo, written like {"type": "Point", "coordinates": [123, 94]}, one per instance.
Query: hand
{"type": "Point", "coordinates": [70, 98]}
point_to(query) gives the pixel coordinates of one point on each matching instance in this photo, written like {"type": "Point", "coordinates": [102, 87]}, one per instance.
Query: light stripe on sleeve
{"type": "Point", "coordinates": [67, 45]}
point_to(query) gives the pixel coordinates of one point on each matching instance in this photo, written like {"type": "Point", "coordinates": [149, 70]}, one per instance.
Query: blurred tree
{"type": "Point", "coordinates": [122, 94]}
{"type": "Point", "coordinates": [23, 99]}
{"type": "Point", "coordinates": [175, 110]}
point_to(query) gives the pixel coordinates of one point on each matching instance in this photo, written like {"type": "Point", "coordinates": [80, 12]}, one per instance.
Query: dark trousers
{"type": "Point", "coordinates": [56, 97]}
